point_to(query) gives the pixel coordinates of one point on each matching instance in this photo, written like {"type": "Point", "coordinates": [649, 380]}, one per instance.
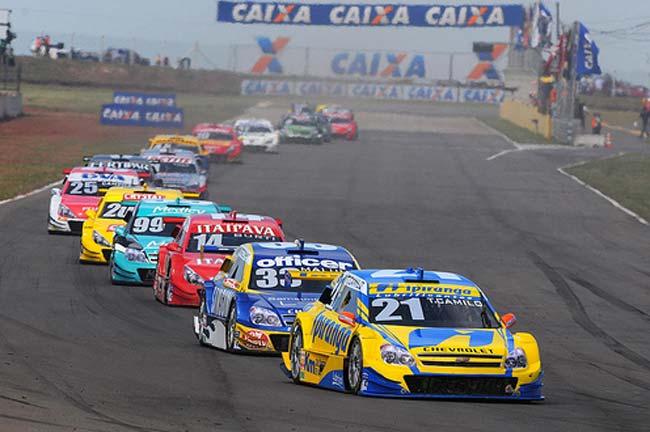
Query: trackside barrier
{"type": "Point", "coordinates": [11, 105]}
{"type": "Point", "coordinates": [527, 117]}
{"type": "Point", "coordinates": [254, 87]}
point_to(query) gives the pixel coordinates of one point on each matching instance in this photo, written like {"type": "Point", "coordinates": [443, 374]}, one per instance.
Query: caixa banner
{"type": "Point", "coordinates": [141, 115]}
{"type": "Point", "coordinates": [257, 12]}
{"type": "Point", "coordinates": [144, 99]}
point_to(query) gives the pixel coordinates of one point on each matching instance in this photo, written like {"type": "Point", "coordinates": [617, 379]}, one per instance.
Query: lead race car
{"type": "Point", "coordinates": [412, 333]}
{"type": "Point", "coordinates": [251, 303]}
{"type": "Point", "coordinates": [201, 245]}
{"type": "Point", "coordinates": [135, 246]}
{"type": "Point", "coordinates": [82, 190]}
{"type": "Point", "coordinates": [257, 134]}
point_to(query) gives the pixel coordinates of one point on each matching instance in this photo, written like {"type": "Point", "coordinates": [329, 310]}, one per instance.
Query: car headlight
{"type": "Point", "coordinates": [136, 255]}
{"type": "Point", "coordinates": [516, 359]}
{"type": "Point", "coordinates": [192, 277]}
{"type": "Point", "coordinates": [392, 354]}
{"type": "Point", "coordinates": [264, 317]}
{"type": "Point", "coordinates": [100, 240]}
{"type": "Point", "coordinates": [66, 212]}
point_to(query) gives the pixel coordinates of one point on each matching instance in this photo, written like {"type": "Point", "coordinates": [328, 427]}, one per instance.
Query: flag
{"type": "Point", "coordinates": [587, 59]}
{"type": "Point", "coordinates": [543, 11]}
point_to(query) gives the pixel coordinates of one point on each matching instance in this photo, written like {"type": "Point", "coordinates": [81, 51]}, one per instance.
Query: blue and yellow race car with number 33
{"type": "Point", "coordinates": [412, 333]}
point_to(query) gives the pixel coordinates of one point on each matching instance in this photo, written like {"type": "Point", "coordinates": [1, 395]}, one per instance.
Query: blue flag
{"type": "Point", "coordinates": [587, 54]}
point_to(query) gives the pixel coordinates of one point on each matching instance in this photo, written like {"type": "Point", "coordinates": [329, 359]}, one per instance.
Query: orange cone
{"type": "Point", "coordinates": [608, 140]}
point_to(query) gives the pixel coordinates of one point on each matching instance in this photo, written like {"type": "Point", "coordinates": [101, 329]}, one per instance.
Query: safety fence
{"type": "Point", "coordinates": [451, 94]}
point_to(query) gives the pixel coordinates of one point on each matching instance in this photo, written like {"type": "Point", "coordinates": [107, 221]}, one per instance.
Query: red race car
{"type": "Point", "coordinates": [200, 247]}
{"type": "Point", "coordinates": [342, 121]}
{"type": "Point", "coordinates": [220, 141]}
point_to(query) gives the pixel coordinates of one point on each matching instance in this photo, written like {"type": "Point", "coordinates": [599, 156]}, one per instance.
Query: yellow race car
{"type": "Point", "coordinates": [411, 333]}
{"type": "Point", "coordinates": [112, 212]}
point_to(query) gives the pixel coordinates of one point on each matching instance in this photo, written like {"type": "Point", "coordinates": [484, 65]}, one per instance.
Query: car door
{"type": "Point", "coordinates": [231, 282]}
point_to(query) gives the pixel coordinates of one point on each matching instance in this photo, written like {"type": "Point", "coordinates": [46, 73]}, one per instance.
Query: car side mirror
{"type": "Point", "coordinates": [508, 320]}
{"type": "Point", "coordinates": [90, 213]}
{"type": "Point", "coordinates": [225, 266]}
{"type": "Point", "coordinates": [326, 295]}
{"type": "Point", "coordinates": [224, 209]}
{"type": "Point", "coordinates": [173, 247]}
{"type": "Point", "coordinates": [347, 318]}
{"type": "Point", "coordinates": [127, 217]}
{"type": "Point", "coordinates": [120, 231]}
{"type": "Point", "coordinates": [176, 232]}
{"type": "Point", "coordinates": [56, 191]}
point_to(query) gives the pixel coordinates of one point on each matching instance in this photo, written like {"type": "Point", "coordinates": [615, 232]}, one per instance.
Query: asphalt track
{"type": "Point", "coordinates": [79, 354]}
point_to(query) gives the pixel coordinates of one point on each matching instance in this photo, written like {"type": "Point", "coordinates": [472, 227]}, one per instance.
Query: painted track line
{"type": "Point", "coordinates": [28, 194]}
{"type": "Point", "coordinates": [609, 199]}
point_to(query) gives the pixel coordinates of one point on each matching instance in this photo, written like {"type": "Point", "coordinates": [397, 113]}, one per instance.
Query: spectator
{"type": "Point", "coordinates": [157, 61]}
{"type": "Point", "coordinates": [166, 61]}
{"type": "Point", "coordinates": [596, 124]}
{"type": "Point", "coordinates": [580, 111]}
{"type": "Point", "coordinates": [645, 116]}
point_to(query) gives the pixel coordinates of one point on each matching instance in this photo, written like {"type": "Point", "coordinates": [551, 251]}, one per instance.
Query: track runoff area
{"type": "Point", "coordinates": [414, 190]}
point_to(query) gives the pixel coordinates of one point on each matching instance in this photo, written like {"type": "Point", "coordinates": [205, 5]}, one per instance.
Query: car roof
{"type": "Point", "coordinates": [178, 207]}
{"type": "Point", "coordinates": [264, 249]}
{"type": "Point", "coordinates": [174, 139]}
{"type": "Point", "coordinates": [393, 276]}
{"type": "Point", "coordinates": [233, 217]}
{"type": "Point", "coordinates": [117, 193]}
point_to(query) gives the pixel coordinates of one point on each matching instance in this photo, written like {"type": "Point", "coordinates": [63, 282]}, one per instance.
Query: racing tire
{"type": "Point", "coordinates": [294, 354]}
{"type": "Point", "coordinates": [354, 366]}
{"type": "Point", "coordinates": [202, 318]}
{"type": "Point", "coordinates": [231, 326]}
{"type": "Point", "coordinates": [110, 272]}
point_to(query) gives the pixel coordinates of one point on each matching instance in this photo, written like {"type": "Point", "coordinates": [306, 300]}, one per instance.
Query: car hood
{"type": "Point", "coordinates": [79, 204]}
{"type": "Point", "coordinates": [300, 130]}
{"type": "Point", "coordinates": [283, 302]}
{"type": "Point", "coordinates": [449, 340]}
{"type": "Point", "coordinates": [106, 227]}
{"type": "Point", "coordinates": [151, 244]}
{"type": "Point", "coordinates": [261, 136]}
{"type": "Point", "coordinates": [341, 127]}
{"type": "Point", "coordinates": [206, 267]}
{"type": "Point", "coordinates": [178, 179]}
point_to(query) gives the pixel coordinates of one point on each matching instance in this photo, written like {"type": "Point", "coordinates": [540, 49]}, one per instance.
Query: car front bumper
{"type": "Point", "coordinates": [132, 272]}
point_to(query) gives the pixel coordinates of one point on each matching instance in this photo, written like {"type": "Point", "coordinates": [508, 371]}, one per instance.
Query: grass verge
{"type": "Point", "coordinates": [62, 125]}
{"type": "Point", "coordinates": [514, 132]}
{"type": "Point", "coordinates": [624, 178]}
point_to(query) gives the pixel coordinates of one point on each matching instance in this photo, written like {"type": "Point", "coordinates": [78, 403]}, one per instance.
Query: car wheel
{"type": "Point", "coordinates": [354, 367]}
{"type": "Point", "coordinates": [110, 271]}
{"type": "Point", "coordinates": [294, 353]}
{"type": "Point", "coordinates": [231, 327]}
{"type": "Point", "coordinates": [203, 319]}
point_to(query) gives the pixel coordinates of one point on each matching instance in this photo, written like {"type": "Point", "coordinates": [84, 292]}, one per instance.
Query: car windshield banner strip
{"type": "Point", "coordinates": [141, 115]}
{"type": "Point", "coordinates": [442, 16]}
{"type": "Point", "coordinates": [143, 99]}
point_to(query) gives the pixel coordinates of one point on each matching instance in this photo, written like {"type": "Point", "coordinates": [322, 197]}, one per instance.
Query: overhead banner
{"type": "Point", "coordinates": [141, 115]}
{"type": "Point", "coordinates": [445, 16]}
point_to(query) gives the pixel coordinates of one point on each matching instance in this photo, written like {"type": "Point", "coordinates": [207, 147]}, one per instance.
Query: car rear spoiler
{"type": "Point", "coordinates": [313, 275]}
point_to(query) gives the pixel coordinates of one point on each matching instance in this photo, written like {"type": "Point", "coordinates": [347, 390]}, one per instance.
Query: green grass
{"type": "Point", "coordinates": [514, 132]}
{"type": "Point", "coordinates": [624, 178]}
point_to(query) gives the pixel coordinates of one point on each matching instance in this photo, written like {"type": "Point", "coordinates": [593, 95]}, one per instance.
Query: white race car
{"type": "Point", "coordinates": [257, 134]}
{"type": "Point", "coordinates": [82, 190]}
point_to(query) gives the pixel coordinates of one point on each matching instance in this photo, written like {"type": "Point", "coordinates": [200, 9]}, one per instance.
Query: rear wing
{"type": "Point", "coordinates": [313, 275]}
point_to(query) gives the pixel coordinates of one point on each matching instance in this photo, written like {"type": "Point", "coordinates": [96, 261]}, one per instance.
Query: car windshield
{"type": "Point", "coordinates": [300, 122]}
{"type": "Point", "coordinates": [115, 210]}
{"type": "Point", "coordinates": [273, 278]}
{"type": "Point", "coordinates": [158, 226]}
{"type": "Point", "coordinates": [432, 312]}
{"type": "Point", "coordinates": [226, 241]}
{"type": "Point", "coordinates": [177, 168]}
{"type": "Point", "coordinates": [258, 129]}
{"type": "Point", "coordinates": [173, 147]}
{"type": "Point", "coordinates": [212, 135]}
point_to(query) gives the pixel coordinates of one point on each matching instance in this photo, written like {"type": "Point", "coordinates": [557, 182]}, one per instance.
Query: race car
{"type": "Point", "coordinates": [199, 249]}
{"type": "Point", "coordinates": [82, 190]}
{"type": "Point", "coordinates": [172, 143]}
{"type": "Point", "coordinates": [412, 333]}
{"type": "Point", "coordinates": [180, 172]}
{"type": "Point", "coordinates": [120, 161]}
{"type": "Point", "coordinates": [151, 225]}
{"type": "Point", "coordinates": [301, 128]}
{"type": "Point", "coordinates": [341, 120]}
{"type": "Point", "coordinates": [257, 134]}
{"type": "Point", "coordinates": [113, 211]}
{"type": "Point", "coordinates": [220, 141]}
{"type": "Point", "coordinates": [250, 305]}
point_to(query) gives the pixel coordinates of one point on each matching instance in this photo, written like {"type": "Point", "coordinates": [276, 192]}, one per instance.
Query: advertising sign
{"type": "Point", "coordinates": [139, 115]}
{"type": "Point", "coordinates": [444, 16]}
{"type": "Point", "coordinates": [143, 99]}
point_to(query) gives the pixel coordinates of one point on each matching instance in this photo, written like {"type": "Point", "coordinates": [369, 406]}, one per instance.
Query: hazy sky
{"type": "Point", "coordinates": [171, 26]}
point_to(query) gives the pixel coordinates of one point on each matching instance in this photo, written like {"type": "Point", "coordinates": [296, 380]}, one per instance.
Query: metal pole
{"type": "Point", "coordinates": [451, 66]}
{"type": "Point", "coordinates": [557, 20]}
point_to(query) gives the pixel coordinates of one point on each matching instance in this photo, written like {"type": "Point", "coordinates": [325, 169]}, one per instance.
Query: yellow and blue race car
{"type": "Point", "coordinates": [411, 333]}
{"type": "Point", "coordinates": [113, 211]}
